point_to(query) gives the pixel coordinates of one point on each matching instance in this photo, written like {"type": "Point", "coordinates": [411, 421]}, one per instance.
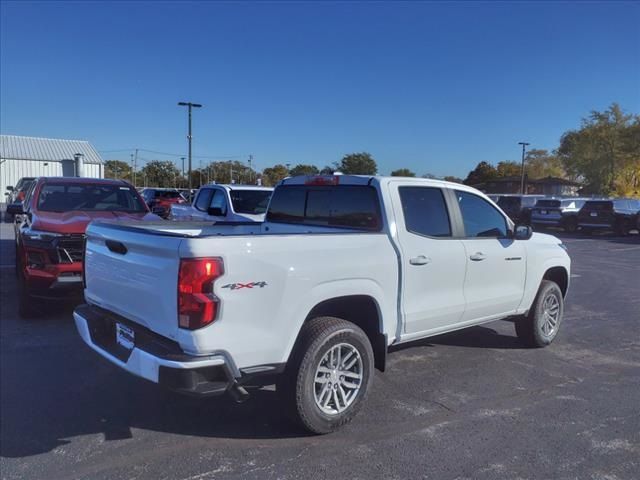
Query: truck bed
{"type": "Point", "coordinates": [271, 276]}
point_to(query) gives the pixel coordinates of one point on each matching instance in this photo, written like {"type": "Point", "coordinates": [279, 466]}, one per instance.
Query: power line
{"type": "Point", "coordinates": [178, 155]}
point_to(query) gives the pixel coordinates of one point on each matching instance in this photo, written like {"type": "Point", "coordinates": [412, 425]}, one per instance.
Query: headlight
{"type": "Point", "coordinates": [39, 236]}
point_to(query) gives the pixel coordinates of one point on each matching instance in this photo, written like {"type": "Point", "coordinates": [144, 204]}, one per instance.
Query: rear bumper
{"type": "Point", "coordinates": [155, 358]}
{"type": "Point", "coordinates": [546, 221]}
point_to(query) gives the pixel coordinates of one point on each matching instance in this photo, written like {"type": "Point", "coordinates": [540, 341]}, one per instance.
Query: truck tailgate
{"type": "Point", "coordinates": [134, 274]}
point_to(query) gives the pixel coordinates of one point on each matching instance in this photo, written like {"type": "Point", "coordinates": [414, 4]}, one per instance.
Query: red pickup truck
{"type": "Point", "coordinates": [50, 228]}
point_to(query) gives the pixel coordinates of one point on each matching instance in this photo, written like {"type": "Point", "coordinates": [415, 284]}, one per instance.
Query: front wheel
{"type": "Point", "coordinates": [329, 374]}
{"type": "Point", "coordinates": [540, 327]}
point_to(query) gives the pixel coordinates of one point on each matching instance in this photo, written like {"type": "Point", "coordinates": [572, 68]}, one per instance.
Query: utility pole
{"type": "Point", "coordinates": [250, 170]}
{"type": "Point", "coordinates": [135, 166]}
{"type": "Point", "coordinates": [524, 146]}
{"type": "Point", "coordinates": [190, 106]}
{"type": "Point", "coordinates": [182, 158]}
{"type": "Point", "coordinates": [131, 176]}
{"type": "Point", "coordinates": [230, 172]}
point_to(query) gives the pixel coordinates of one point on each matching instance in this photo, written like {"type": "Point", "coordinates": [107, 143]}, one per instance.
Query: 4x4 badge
{"type": "Point", "coordinates": [238, 286]}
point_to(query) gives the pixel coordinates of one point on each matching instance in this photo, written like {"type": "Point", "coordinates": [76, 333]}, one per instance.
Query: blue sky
{"type": "Point", "coordinates": [435, 87]}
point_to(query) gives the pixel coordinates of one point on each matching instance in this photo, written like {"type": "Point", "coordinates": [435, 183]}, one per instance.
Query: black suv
{"type": "Point", "coordinates": [557, 212]}
{"type": "Point", "coordinates": [617, 215]}
{"type": "Point", "coordinates": [518, 207]}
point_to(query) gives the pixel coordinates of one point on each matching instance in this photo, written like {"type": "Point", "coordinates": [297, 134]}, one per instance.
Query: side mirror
{"type": "Point", "coordinates": [10, 188]}
{"type": "Point", "coordinates": [15, 208]}
{"type": "Point", "coordinates": [522, 232]}
{"type": "Point", "coordinates": [215, 212]}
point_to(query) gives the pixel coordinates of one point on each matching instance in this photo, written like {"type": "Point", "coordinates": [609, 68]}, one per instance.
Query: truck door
{"type": "Point", "coordinates": [433, 262]}
{"type": "Point", "coordinates": [496, 264]}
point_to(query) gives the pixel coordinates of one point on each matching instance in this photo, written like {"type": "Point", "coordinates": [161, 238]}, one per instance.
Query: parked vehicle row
{"type": "Point", "coordinates": [311, 299]}
{"type": "Point", "coordinates": [619, 216]}
{"type": "Point", "coordinates": [50, 218]}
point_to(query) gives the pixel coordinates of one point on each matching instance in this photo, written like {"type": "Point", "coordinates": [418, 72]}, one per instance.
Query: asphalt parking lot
{"type": "Point", "coordinates": [473, 404]}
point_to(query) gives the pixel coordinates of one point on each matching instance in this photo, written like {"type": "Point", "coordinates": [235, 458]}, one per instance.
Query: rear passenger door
{"type": "Point", "coordinates": [496, 264]}
{"type": "Point", "coordinates": [433, 261]}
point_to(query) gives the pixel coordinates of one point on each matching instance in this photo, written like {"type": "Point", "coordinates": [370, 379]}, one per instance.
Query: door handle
{"type": "Point", "coordinates": [478, 257]}
{"type": "Point", "coordinates": [419, 260]}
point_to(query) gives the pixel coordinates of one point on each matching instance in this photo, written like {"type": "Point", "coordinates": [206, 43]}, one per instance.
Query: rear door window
{"type": "Point", "coordinates": [425, 211]}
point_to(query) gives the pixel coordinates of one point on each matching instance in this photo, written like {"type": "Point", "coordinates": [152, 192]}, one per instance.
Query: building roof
{"type": "Point", "coordinates": [48, 149]}
{"type": "Point", "coordinates": [554, 181]}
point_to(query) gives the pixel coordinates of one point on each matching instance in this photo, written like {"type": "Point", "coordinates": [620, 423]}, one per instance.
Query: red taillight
{"type": "Point", "coordinates": [323, 180]}
{"type": "Point", "coordinates": [197, 305]}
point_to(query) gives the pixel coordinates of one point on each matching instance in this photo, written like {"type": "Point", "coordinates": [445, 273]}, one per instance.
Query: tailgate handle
{"type": "Point", "coordinates": [116, 247]}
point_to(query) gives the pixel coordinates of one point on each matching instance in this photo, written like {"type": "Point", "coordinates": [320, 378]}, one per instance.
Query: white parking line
{"type": "Point", "coordinates": [625, 249]}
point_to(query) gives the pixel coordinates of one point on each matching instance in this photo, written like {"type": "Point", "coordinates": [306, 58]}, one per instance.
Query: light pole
{"type": "Point", "coordinates": [182, 158]}
{"type": "Point", "coordinates": [524, 146]}
{"type": "Point", "coordinates": [190, 106]}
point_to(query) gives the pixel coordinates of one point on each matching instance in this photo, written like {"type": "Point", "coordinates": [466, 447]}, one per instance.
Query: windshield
{"type": "Point", "coordinates": [89, 197]}
{"type": "Point", "coordinates": [252, 202]}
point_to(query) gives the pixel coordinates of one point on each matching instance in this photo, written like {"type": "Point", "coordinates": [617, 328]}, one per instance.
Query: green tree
{"type": "Point", "coordinates": [357, 164]}
{"type": "Point", "coordinates": [272, 175]}
{"type": "Point", "coordinates": [482, 173]}
{"type": "Point", "coordinates": [117, 169]}
{"type": "Point", "coordinates": [328, 170]}
{"type": "Point", "coordinates": [159, 173]}
{"type": "Point", "coordinates": [508, 169]}
{"type": "Point", "coordinates": [451, 178]}
{"type": "Point", "coordinates": [540, 164]}
{"type": "Point", "coordinates": [232, 171]}
{"type": "Point", "coordinates": [403, 172]}
{"type": "Point", "coordinates": [302, 169]}
{"type": "Point", "coordinates": [605, 152]}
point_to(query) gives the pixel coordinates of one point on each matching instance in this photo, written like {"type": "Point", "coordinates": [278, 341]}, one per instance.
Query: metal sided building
{"type": "Point", "coordinates": [46, 157]}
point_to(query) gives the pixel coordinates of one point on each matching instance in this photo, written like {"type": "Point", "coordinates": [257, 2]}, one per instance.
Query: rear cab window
{"type": "Point", "coordinates": [344, 206]}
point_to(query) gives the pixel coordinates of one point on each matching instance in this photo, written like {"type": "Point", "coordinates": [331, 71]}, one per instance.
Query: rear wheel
{"type": "Point", "coordinates": [329, 374]}
{"type": "Point", "coordinates": [621, 228]}
{"type": "Point", "coordinates": [570, 224]}
{"type": "Point", "coordinates": [540, 327]}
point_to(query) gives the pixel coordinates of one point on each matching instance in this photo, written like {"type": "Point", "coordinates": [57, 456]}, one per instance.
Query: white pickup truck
{"type": "Point", "coordinates": [311, 299]}
{"type": "Point", "coordinates": [225, 203]}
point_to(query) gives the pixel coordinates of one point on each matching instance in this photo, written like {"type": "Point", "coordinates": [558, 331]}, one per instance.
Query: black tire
{"type": "Point", "coordinates": [570, 225]}
{"type": "Point", "coordinates": [621, 228]}
{"type": "Point", "coordinates": [533, 330]}
{"type": "Point", "coordinates": [297, 387]}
